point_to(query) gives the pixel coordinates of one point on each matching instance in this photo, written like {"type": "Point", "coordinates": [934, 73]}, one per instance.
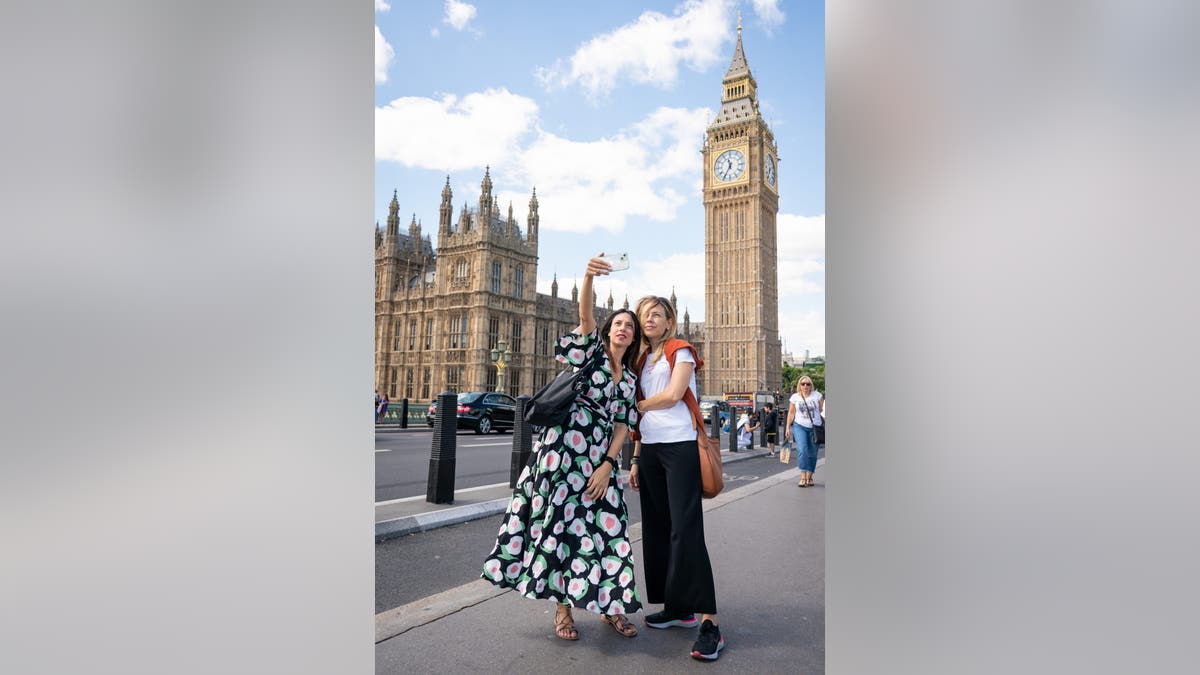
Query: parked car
{"type": "Point", "coordinates": [481, 412]}
{"type": "Point", "coordinates": [708, 405]}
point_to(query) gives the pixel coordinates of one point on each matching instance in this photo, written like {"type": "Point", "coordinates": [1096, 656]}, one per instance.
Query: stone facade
{"type": "Point", "coordinates": [438, 313]}
{"type": "Point", "coordinates": [741, 200]}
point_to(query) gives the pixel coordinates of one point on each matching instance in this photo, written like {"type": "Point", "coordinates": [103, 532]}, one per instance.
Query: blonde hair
{"type": "Point", "coordinates": [802, 380]}
{"type": "Point", "coordinates": [646, 304]}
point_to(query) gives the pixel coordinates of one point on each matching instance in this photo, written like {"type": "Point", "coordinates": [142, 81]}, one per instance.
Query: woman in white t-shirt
{"type": "Point", "coordinates": [743, 436]}
{"type": "Point", "coordinates": [805, 408]}
{"type": "Point", "coordinates": [666, 474]}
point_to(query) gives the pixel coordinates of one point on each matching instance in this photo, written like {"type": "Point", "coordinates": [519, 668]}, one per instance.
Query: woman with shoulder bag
{"type": "Point", "coordinates": [666, 473]}
{"type": "Point", "coordinates": [804, 414]}
{"type": "Point", "coordinates": [565, 534]}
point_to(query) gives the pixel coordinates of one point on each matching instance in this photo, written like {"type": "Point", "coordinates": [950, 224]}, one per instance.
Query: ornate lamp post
{"type": "Point", "coordinates": [500, 356]}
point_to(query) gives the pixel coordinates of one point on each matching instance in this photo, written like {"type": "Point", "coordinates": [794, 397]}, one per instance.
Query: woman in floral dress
{"type": "Point", "coordinates": [565, 534]}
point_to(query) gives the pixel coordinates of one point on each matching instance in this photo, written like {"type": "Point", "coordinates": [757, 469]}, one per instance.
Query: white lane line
{"type": "Point", "coordinates": [462, 445]}
{"type": "Point", "coordinates": [415, 498]}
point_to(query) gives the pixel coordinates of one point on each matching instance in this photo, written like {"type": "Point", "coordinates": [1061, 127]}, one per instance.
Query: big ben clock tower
{"type": "Point", "coordinates": [741, 199]}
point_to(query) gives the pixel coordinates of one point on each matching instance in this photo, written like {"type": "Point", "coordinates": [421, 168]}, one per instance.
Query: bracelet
{"type": "Point", "coordinates": [634, 460]}
{"type": "Point", "coordinates": [612, 460]}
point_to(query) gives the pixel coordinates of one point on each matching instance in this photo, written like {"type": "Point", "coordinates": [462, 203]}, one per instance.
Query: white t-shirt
{"type": "Point", "coordinates": [743, 431]}
{"type": "Point", "coordinates": [673, 424]}
{"type": "Point", "coordinates": [814, 409]}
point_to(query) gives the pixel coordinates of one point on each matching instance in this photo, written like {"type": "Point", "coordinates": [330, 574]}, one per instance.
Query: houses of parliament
{"type": "Point", "coordinates": [440, 311]}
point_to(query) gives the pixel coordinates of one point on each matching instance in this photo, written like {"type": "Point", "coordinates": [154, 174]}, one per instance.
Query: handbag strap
{"type": "Point", "coordinates": [807, 411]}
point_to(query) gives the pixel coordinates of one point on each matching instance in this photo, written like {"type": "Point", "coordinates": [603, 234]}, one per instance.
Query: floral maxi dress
{"type": "Point", "coordinates": [556, 543]}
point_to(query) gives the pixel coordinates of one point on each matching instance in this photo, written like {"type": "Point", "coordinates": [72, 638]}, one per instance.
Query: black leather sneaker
{"type": "Point", "coordinates": [665, 619]}
{"type": "Point", "coordinates": [710, 643]}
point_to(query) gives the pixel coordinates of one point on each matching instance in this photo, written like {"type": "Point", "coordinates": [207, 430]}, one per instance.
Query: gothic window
{"type": "Point", "coordinates": [392, 385]}
{"type": "Point", "coordinates": [412, 334]}
{"type": "Point", "coordinates": [453, 375]}
{"type": "Point", "coordinates": [514, 381]}
{"type": "Point", "coordinates": [408, 384]}
{"type": "Point", "coordinates": [396, 335]}
{"type": "Point", "coordinates": [519, 281]}
{"type": "Point", "coordinates": [496, 269]}
{"type": "Point", "coordinates": [451, 330]}
{"type": "Point", "coordinates": [493, 332]}
{"type": "Point", "coordinates": [462, 330]}
{"type": "Point", "coordinates": [491, 379]}
{"type": "Point", "coordinates": [516, 336]}
{"type": "Point", "coordinates": [428, 334]}
{"type": "Point", "coordinates": [460, 270]}
{"type": "Point", "coordinates": [545, 341]}
{"type": "Point", "coordinates": [425, 384]}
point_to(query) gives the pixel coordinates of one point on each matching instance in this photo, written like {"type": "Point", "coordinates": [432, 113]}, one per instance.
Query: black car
{"type": "Point", "coordinates": [481, 411]}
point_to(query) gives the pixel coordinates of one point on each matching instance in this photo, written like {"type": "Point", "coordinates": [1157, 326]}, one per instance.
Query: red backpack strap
{"type": "Point", "coordinates": [671, 349]}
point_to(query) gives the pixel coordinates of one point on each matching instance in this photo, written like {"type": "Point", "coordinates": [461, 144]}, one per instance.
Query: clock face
{"type": "Point", "coordinates": [729, 165]}
{"type": "Point", "coordinates": [769, 170]}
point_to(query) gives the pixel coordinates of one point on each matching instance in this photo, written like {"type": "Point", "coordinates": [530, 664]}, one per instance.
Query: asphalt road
{"type": "Point", "coordinates": [419, 565]}
{"type": "Point", "coordinates": [402, 461]}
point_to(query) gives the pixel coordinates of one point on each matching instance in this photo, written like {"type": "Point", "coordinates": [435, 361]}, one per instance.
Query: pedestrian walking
{"type": "Point", "coordinates": [804, 414]}
{"type": "Point", "coordinates": [770, 422]}
{"type": "Point", "coordinates": [666, 474]}
{"type": "Point", "coordinates": [565, 534]}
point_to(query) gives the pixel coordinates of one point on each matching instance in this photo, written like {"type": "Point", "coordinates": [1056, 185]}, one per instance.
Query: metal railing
{"type": "Point", "coordinates": [417, 411]}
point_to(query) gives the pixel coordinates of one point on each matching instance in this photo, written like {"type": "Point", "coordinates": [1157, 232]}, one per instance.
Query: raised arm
{"type": "Point", "coordinates": [681, 378]}
{"type": "Point", "coordinates": [587, 308]}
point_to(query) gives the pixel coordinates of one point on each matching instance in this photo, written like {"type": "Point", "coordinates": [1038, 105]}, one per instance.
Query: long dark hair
{"type": "Point", "coordinates": [629, 361]}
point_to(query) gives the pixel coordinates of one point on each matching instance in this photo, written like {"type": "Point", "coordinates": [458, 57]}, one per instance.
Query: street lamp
{"type": "Point", "coordinates": [500, 356]}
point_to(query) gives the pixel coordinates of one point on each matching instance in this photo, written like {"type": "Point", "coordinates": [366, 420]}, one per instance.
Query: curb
{"type": "Point", "coordinates": [423, 522]}
{"type": "Point", "coordinates": [398, 527]}
{"type": "Point", "coordinates": [400, 620]}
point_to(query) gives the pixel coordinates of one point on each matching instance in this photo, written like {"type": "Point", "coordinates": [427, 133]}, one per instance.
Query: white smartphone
{"type": "Point", "coordinates": [618, 263]}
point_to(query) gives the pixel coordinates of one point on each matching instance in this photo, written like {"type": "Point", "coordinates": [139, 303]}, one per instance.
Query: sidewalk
{"type": "Point", "coordinates": [767, 545]}
{"type": "Point", "coordinates": [403, 517]}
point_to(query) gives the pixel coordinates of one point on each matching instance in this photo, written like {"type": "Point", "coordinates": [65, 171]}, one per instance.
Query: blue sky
{"type": "Point", "coordinates": [602, 107]}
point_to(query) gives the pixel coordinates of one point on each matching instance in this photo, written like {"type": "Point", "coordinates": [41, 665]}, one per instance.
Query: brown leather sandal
{"type": "Point", "coordinates": [564, 625]}
{"type": "Point", "coordinates": [621, 624]}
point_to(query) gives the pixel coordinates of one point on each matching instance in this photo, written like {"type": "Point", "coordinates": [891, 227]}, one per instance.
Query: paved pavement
{"type": "Point", "coordinates": [766, 540]}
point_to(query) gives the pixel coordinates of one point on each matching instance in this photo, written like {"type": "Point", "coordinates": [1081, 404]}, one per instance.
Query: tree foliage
{"type": "Point", "coordinates": [792, 375]}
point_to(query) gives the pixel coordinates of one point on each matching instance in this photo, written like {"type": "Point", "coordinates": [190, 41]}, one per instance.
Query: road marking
{"type": "Point", "coordinates": [482, 445]}
{"type": "Point", "coordinates": [416, 497]}
{"type": "Point", "coordinates": [383, 449]}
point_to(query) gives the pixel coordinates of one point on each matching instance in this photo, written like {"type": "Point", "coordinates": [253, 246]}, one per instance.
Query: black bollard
{"type": "Point", "coordinates": [714, 419]}
{"type": "Point", "coordinates": [733, 429]}
{"type": "Point", "coordinates": [522, 442]}
{"type": "Point", "coordinates": [442, 454]}
{"type": "Point", "coordinates": [404, 413]}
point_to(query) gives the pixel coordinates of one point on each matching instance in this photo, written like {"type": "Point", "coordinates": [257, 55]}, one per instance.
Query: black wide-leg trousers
{"type": "Point", "coordinates": [678, 572]}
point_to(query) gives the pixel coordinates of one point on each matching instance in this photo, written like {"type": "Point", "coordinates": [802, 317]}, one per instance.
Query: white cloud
{"type": "Point", "coordinates": [458, 14]}
{"type": "Point", "coordinates": [802, 330]}
{"type": "Point", "coordinates": [649, 50]}
{"type": "Point", "coordinates": [646, 170]}
{"type": "Point", "coordinates": [801, 254]}
{"type": "Point", "coordinates": [452, 133]}
{"type": "Point", "coordinates": [801, 268]}
{"type": "Point", "coordinates": [769, 13]}
{"type": "Point", "coordinates": [435, 32]}
{"type": "Point", "coordinates": [383, 56]}
{"type": "Point", "coordinates": [382, 6]}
